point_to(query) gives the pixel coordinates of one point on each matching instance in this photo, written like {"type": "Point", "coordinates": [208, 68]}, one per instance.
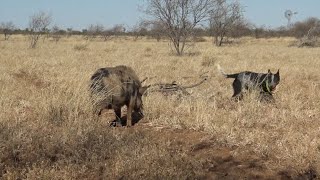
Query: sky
{"type": "Point", "coordinates": [79, 14]}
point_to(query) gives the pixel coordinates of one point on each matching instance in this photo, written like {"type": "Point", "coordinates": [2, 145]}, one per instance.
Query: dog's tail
{"type": "Point", "coordinates": [225, 74]}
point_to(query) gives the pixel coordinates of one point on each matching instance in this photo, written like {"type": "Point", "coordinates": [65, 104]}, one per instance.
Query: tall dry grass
{"type": "Point", "coordinates": [47, 128]}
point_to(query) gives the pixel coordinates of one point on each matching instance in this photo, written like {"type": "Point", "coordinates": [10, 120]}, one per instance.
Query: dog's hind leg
{"type": "Point", "coordinates": [237, 88]}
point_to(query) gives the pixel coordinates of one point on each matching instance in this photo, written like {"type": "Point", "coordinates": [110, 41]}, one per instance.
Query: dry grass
{"type": "Point", "coordinates": [47, 129]}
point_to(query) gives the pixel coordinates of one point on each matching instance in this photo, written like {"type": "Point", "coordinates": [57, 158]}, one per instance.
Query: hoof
{"type": "Point", "coordinates": [115, 124]}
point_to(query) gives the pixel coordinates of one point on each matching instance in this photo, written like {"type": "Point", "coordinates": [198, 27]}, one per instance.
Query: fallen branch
{"type": "Point", "coordinates": [172, 87]}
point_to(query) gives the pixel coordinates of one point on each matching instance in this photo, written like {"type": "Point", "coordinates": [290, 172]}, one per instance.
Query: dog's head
{"type": "Point", "coordinates": [272, 81]}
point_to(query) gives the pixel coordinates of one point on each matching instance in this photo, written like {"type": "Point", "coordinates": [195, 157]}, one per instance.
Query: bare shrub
{"type": "Point", "coordinates": [38, 24]}
{"type": "Point", "coordinates": [308, 41]}
{"type": "Point", "coordinates": [179, 18]}
{"type": "Point", "coordinates": [81, 47]}
{"type": "Point", "coordinates": [309, 27]}
{"type": "Point", "coordinates": [7, 29]}
{"type": "Point", "coordinates": [308, 32]}
{"type": "Point", "coordinates": [223, 18]}
{"type": "Point", "coordinates": [56, 33]}
{"type": "Point", "coordinates": [140, 30]}
{"type": "Point", "coordinates": [94, 30]}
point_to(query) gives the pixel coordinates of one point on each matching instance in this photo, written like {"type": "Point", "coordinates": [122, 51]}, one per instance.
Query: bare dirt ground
{"type": "Point", "coordinates": [215, 159]}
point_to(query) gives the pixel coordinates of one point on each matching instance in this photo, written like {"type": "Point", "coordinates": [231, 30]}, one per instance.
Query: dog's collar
{"type": "Point", "coordinates": [268, 89]}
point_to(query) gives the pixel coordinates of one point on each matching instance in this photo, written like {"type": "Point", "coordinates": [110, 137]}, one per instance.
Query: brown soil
{"type": "Point", "coordinates": [216, 159]}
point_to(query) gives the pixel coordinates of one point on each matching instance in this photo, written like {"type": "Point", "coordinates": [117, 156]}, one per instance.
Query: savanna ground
{"type": "Point", "coordinates": [47, 130]}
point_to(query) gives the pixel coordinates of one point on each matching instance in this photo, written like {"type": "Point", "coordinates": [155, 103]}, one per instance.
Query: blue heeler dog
{"type": "Point", "coordinates": [264, 83]}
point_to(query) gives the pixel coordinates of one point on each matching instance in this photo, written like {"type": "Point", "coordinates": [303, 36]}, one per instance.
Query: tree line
{"type": "Point", "coordinates": [180, 21]}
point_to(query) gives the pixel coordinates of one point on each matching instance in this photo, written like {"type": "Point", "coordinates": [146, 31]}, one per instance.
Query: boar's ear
{"type": "Point", "coordinates": [143, 89]}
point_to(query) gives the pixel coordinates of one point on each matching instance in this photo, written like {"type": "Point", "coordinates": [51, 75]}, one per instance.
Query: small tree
{"type": "Point", "coordinates": [223, 18]}
{"type": "Point", "coordinates": [7, 29]}
{"type": "Point", "coordinates": [56, 33]}
{"type": "Point", "coordinates": [94, 30]}
{"type": "Point", "coordinates": [308, 31]}
{"type": "Point", "coordinates": [69, 32]}
{"type": "Point", "coordinates": [140, 29]}
{"type": "Point", "coordinates": [240, 29]}
{"type": "Point", "coordinates": [118, 29]}
{"type": "Point", "coordinates": [106, 34]}
{"type": "Point", "coordinates": [179, 18]}
{"type": "Point", "coordinates": [157, 30]}
{"type": "Point", "coordinates": [38, 23]}
{"type": "Point", "coordinates": [310, 25]}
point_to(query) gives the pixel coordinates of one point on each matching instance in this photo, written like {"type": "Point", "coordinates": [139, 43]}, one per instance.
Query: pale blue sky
{"type": "Point", "coordinates": [78, 14]}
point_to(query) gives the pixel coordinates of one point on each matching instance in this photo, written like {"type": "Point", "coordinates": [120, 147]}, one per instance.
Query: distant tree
{"type": "Point", "coordinates": [308, 32]}
{"type": "Point", "coordinates": [46, 33]}
{"type": "Point", "coordinates": [107, 34]}
{"type": "Point", "coordinates": [56, 33]}
{"type": "Point", "coordinates": [240, 29]}
{"type": "Point", "coordinates": [223, 18]}
{"type": "Point", "coordinates": [7, 28]}
{"type": "Point", "coordinates": [84, 31]}
{"type": "Point", "coordinates": [118, 29]}
{"type": "Point", "coordinates": [38, 24]}
{"type": "Point", "coordinates": [94, 30]}
{"type": "Point", "coordinates": [259, 32]}
{"type": "Point", "coordinates": [309, 26]}
{"type": "Point", "coordinates": [140, 29]}
{"type": "Point", "coordinates": [69, 32]}
{"type": "Point", "coordinates": [157, 30]}
{"type": "Point", "coordinates": [179, 18]}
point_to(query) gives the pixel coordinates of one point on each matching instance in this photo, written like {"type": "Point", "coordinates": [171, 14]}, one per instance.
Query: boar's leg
{"type": "Point", "coordinates": [130, 107]}
{"type": "Point", "coordinates": [129, 115]}
{"type": "Point", "coordinates": [117, 111]}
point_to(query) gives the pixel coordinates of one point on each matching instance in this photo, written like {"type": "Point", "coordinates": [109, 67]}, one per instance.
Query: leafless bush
{"type": "Point", "coordinates": [140, 30]}
{"type": "Point", "coordinates": [7, 29]}
{"type": "Point", "coordinates": [94, 30]}
{"type": "Point", "coordinates": [118, 29]}
{"type": "Point", "coordinates": [81, 47]}
{"type": "Point", "coordinates": [308, 32]}
{"type": "Point", "coordinates": [38, 23]}
{"type": "Point", "coordinates": [106, 35]}
{"type": "Point", "coordinates": [308, 41]}
{"type": "Point", "coordinates": [56, 33]}
{"type": "Point", "coordinates": [310, 26]}
{"type": "Point", "coordinates": [179, 18]}
{"type": "Point", "coordinates": [69, 32]}
{"type": "Point", "coordinates": [224, 16]}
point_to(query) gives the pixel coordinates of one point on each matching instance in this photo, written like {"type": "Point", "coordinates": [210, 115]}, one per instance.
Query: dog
{"type": "Point", "coordinates": [265, 83]}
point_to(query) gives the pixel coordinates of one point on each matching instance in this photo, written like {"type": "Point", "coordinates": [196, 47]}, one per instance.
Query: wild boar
{"type": "Point", "coordinates": [114, 87]}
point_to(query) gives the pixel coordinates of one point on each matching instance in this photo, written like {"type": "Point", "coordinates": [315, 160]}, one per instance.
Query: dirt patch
{"type": "Point", "coordinates": [31, 79]}
{"type": "Point", "coordinates": [217, 160]}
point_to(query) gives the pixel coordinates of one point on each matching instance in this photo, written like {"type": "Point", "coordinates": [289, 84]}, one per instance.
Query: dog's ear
{"type": "Point", "coordinates": [269, 72]}
{"type": "Point", "coordinates": [278, 72]}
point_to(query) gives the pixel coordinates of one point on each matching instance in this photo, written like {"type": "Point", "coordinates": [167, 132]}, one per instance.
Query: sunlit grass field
{"type": "Point", "coordinates": [47, 129]}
